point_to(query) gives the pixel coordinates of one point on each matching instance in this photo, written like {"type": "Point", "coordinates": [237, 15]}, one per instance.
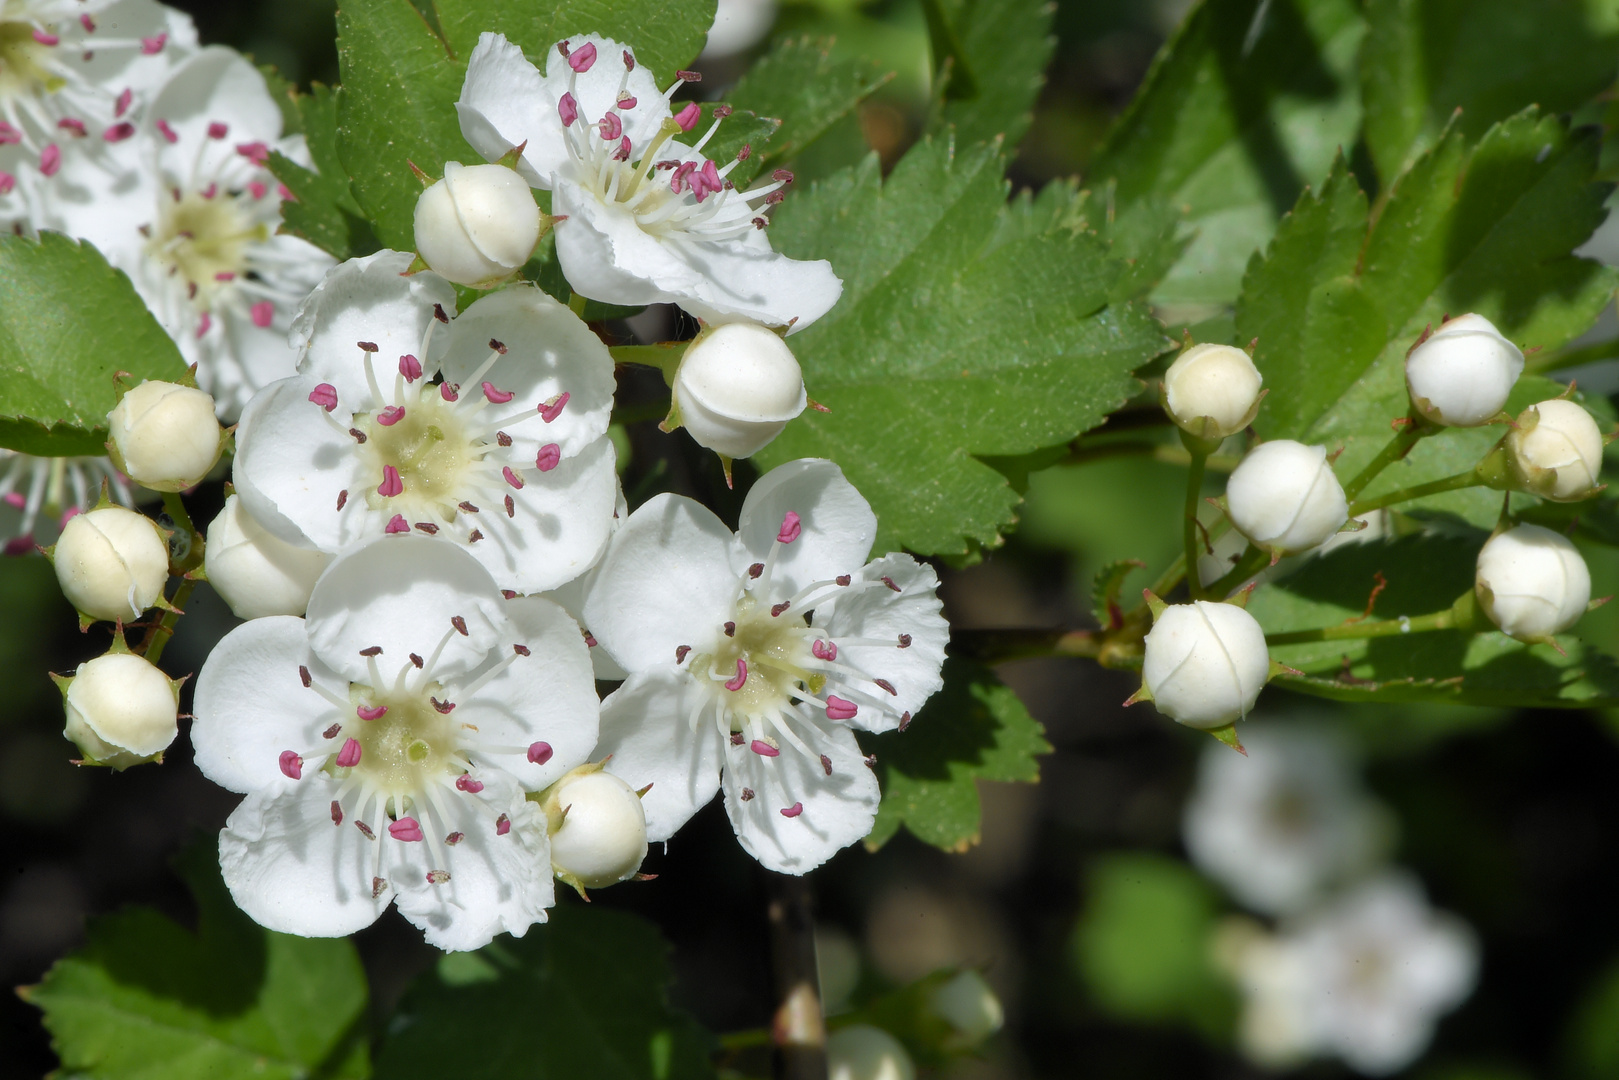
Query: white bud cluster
{"type": "Point", "coordinates": [1204, 663]}
{"type": "Point", "coordinates": [121, 710]}
{"type": "Point", "coordinates": [478, 225]}
{"type": "Point", "coordinates": [164, 435]}
{"type": "Point", "coordinates": [737, 387]}
{"type": "Point", "coordinates": [111, 563]}
{"type": "Point", "coordinates": [1532, 582]}
{"type": "Point", "coordinates": [1462, 374]}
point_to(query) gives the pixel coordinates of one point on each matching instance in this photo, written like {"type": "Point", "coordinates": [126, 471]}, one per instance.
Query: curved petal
{"type": "Point", "coordinates": [648, 737]}
{"type": "Point", "coordinates": [129, 20]}
{"type": "Point", "coordinates": [251, 705]}
{"type": "Point", "coordinates": [837, 522]}
{"type": "Point", "coordinates": [401, 593]}
{"type": "Point", "coordinates": [547, 696]}
{"type": "Point", "coordinates": [291, 870]}
{"type": "Point", "coordinates": [291, 463]}
{"type": "Point", "coordinates": [497, 882]}
{"type": "Point", "coordinates": [665, 581]}
{"type": "Point", "coordinates": [215, 85]}
{"type": "Point", "coordinates": [884, 615]}
{"type": "Point", "coordinates": [835, 808]}
{"type": "Point", "coordinates": [367, 300]}
{"type": "Point", "coordinates": [563, 520]}
{"type": "Point", "coordinates": [549, 351]}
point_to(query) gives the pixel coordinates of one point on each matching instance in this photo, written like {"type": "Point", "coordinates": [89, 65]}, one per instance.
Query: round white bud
{"type": "Point", "coordinates": [112, 563]}
{"type": "Point", "coordinates": [863, 1052]}
{"type": "Point", "coordinates": [121, 710]}
{"type": "Point", "coordinates": [1205, 663]}
{"type": "Point", "coordinates": [164, 435]}
{"type": "Point", "coordinates": [256, 573]}
{"type": "Point", "coordinates": [1556, 451]}
{"type": "Point", "coordinates": [1212, 391]}
{"type": "Point", "coordinates": [970, 1006]}
{"type": "Point", "coordinates": [602, 838]}
{"type": "Point", "coordinates": [737, 386]}
{"type": "Point", "coordinates": [1532, 582]}
{"type": "Point", "coordinates": [478, 225]}
{"type": "Point", "coordinates": [1462, 374]}
{"type": "Point", "coordinates": [1285, 497]}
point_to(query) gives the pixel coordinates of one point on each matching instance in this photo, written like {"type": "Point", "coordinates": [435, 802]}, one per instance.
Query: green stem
{"type": "Point", "coordinates": [664, 357]}
{"type": "Point", "coordinates": [1417, 491]}
{"type": "Point", "coordinates": [1408, 436]}
{"type": "Point", "coordinates": [1459, 616]}
{"type": "Point", "coordinates": [1189, 546]}
{"type": "Point", "coordinates": [1252, 562]}
{"type": "Point", "coordinates": [158, 636]}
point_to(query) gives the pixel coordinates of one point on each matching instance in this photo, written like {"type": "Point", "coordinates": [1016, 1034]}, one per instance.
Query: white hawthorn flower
{"type": "Point", "coordinates": [1280, 826]}
{"type": "Point", "coordinates": [385, 743]}
{"type": "Point", "coordinates": [57, 488]}
{"type": "Point", "coordinates": [1212, 391]}
{"type": "Point", "coordinates": [189, 211]}
{"type": "Point", "coordinates": [756, 654]}
{"type": "Point", "coordinates": [737, 387]}
{"type": "Point", "coordinates": [255, 572]}
{"type": "Point", "coordinates": [506, 454]}
{"type": "Point", "coordinates": [1532, 582]}
{"type": "Point", "coordinates": [649, 218]}
{"type": "Point", "coordinates": [111, 563]}
{"type": "Point", "coordinates": [1462, 374]}
{"type": "Point", "coordinates": [1204, 663]}
{"type": "Point", "coordinates": [1284, 497]}
{"type": "Point", "coordinates": [1555, 450]}
{"type": "Point", "coordinates": [739, 25]}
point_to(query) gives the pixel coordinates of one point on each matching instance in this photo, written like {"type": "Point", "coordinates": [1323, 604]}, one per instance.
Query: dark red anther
{"type": "Point", "coordinates": [417, 661]}
{"type": "Point", "coordinates": [337, 813]}
{"type": "Point", "coordinates": [497, 346]}
{"type": "Point", "coordinates": [522, 650]}
{"type": "Point", "coordinates": [736, 738]}
{"type": "Point", "coordinates": [444, 707]}
{"type": "Point", "coordinates": [730, 629]}
{"type": "Point", "coordinates": [456, 837]}
{"type": "Point", "coordinates": [503, 825]}
{"type": "Point", "coordinates": [756, 569]}
{"type": "Point", "coordinates": [460, 625]}
{"type": "Point", "coordinates": [332, 732]}
{"type": "Point", "coordinates": [365, 830]}
{"type": "Point", "coordinates": [303, 674]}
{"type": "Point", "coordinates": [843, 579]}
{"type": "Point", "coordinates": [680, 653]}
{"type": "Point", "coordinates": [890, 583]}
{"type": "Point", "coordinates": [784, 176]}
{"type": "Point", "coordinates": [826, 763]}
{"type": "Point", "coordinates": [722, 111]}
{"type": "Point", "coordinates": [689, 76]}
{"type": "Point", "coordinates": [886, 685]}
{"type": "Point", "coordinates": [871, 761]}
{"type": "Point", "coordinates": [745, 153]}
{"type": "Point", "coordinates": [629, 61]}
{"type": "Point", "coordinates": [905, 641]}
{"type": "Point", "coordinates": [438, 313]}
{"type": "Point", "coordinates": [774, 197]}
{"type": "Point", "coordinates": [375, 650]}
{"type": "Point", "coordinates": [562, 47]}
{"type": "Point", "coordinates": [367, 346]}
{"type": "Point", "coordinates": [777, 609]}
{"type": "Point", "coordinates": [511, 507]}
{"type": "Point", "coordinates": [502, 438]}
{"type": "Point", "coordinates": [342, 498]}
{"type": "Point", "coordinates": [469, 508]}
{"type": "Point", "coordinates": [474, 536]}
{"type": "Point", "coordinates": [747, 794]}
{"type": "Point", "coordinates": [510, 594]}
{"type": "Point", "coordinates": [359, 436]}
{"type": "Point", "coordinates": [904, 721]}
{"type": "Point", "coordinates": [427, 527]}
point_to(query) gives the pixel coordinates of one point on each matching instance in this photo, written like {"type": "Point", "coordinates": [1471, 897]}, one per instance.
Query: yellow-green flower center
{"type": "Point", "coordinates": [22, 71]}
{"type": "Point", "coordinates": [431, 449]}
{"type": "Point", "coordinates": [204, 241]}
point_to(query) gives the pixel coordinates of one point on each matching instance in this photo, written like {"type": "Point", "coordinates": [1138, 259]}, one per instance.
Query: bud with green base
{"type": "Point", "coordinates": [1285, 498]}
{"type": "Point", "coordinates": [597, 826]}
{"type": "Point", "coordinates": [1211, 392]}
{"type": "Point", "coordinates": [121, 709]}
{"type": "Point", "coordinates": [1555, 451]}
{"type": "Point", "coordinates": [111, 563]}
{"type": "Point", "coordinates": [1532, 583]}
{"type": "Point", "coordinates": [1461, 374]}
{"type": "Point", "coordinates": [737, 386]}
{"type": "Point", "coordinates": [165, 435]}
{"type": "Point", "coordinates": [479, 224]}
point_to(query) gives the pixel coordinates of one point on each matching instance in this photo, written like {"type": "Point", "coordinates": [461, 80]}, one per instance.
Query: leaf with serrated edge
{"type": "Point", "coordinates": [974, 729]}
{"type": "Point", "coordinates": [1007, 44]}
{"type": "Point", "coordinates": [966, 327]}
{"type": "Point", "coordinates": [56, 364]}
{"type": "Point", "coordinates": [322, 209]}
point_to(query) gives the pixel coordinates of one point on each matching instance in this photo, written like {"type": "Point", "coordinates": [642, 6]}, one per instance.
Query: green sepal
{"type": "Point", "coordinates": [1228, 735]}
{"type": "Point", "coordinates": [511, 157]}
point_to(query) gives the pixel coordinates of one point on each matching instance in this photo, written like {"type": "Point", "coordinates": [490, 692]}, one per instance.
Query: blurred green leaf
{"type": "Point", "coordinates": [1335, 303]}
{"type": "Point", "coordinates": [57, 364]}
{"type": "Point", "coordinates": [1426, 59]}
{"type": "Point", "coordinates": [967, 327]}
{"type": "Point", "coordinates": [975, 728]}
{"type": "Point", "coordinates": [1232, 135]}
{"type": "Point", "coordinates": [1591, 1042]}
{"type": "Point", "coordinates": [1144, 943]}
{"type": "Point", "coordinates": [1106, 511]}
{"type": "Point", "coordinates": [585, 995]}
{"type": "Point", "coordinates": [666, 35]}
{"type": "Point", "coordinates": [322, 209]}
{"type": "Point", "coordinates": [1007, 45]}
{"type": "Point", "coordinates": [147, 1000]}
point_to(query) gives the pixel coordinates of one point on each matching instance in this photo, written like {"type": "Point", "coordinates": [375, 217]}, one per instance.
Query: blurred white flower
{"type": "Point", "coordinates": [739, 25]}
{"type": "Point", "coordinates": [1283, 824]}
{"type": "Point", "coordinates": [39, 495]}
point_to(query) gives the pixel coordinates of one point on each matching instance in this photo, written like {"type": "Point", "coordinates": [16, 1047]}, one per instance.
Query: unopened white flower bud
{"type": "Point", "coordinates": [121, 710]}
{"type": "Point", "coordinates": [1285, 497]}
{"type": "Point", "coordinates": [970, 1006]}
{"type": "Point", "coordinates": [164, 435]}
{"type": "Point", "coordinates": [1204, 663]}
{"type": "Point", "coordinates": [602, 836]}
{"type": "Point", "coordinates": [1212, 391]}
{"type": "Point", "coordinates": [112, 563]}
{"type": "Point", "coordinates": [256, 573]}
{"type": "Point", "coordinates": [737, 386]}
{"type": "Point", "coordinates": [1532, 582]}
{"type": "Point", "coordinates": [1556, 451]}
{"type": "Point", "coordinates": [478, 225]}
{"type": "Point", "coordinates": [1462, 374]}
{"type": "Point", "coordinates": [863, 1052]}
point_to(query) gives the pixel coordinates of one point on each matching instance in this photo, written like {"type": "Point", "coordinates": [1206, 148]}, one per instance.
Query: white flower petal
{"type": "Point", "coordinates": [563, 521]}
{"type": "Point", "coordinates": [882, 614]}
{"type": "Point", "coordinates": [835, 809]}
{"type": "Point", "coordinates": [665, 581]}
{"type": "Point", "coordinates": [647, 738]}
{"type": "Point", "coordinates": [401, 593]}
{"type": "Point", "coordinates": [497, 882]}
{"type": "Point", "coordinates": [216, 85]}
{"type": "Point", "coordinates": [292, 870]}
{"type": "Point", "coordinates": [367, 300]}
{"type": "Point", "coordinates": [291, 463]}
{"type": "Point", "coordinates": [549, 351]}
{"type": "Point", "coordinates": [837, 522]}
{"type": "Point", "coordinates": [251, 704]}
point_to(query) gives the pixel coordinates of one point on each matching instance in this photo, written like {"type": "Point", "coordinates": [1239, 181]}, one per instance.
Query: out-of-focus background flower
{"type": "Point", "coordinates": [1402, 890]}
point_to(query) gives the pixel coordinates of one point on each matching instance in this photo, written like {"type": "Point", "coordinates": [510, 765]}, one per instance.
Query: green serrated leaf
{"type": "Point", "coordinates": [1335, 303]}
{"type": "Point", "coordinates": [145, 999]}
{"type": "Point", "coordinates": [583, 996]}
{"type": "Point", "coordinates": [56, 365]}
{"type": "Point", "coordinates": [974, 729]}
{"type": "Point", "coordinates": [1105, 590]}
{"type": "Point", "coordinates": [322, 209]}
{"type": "Point", "coordinates": [967, 327]}
{"type": "Point", "coordinates": [1231, 135]}
{"type": "Point", "coordinates": [744, 127]}
{"type": "Point", "coordinates": [1426, 59]}
{"type": "Point", "coordinates": [1007, 45]}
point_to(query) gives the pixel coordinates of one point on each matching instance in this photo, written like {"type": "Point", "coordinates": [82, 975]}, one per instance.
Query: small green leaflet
{"type": "Point", "coordinates": [584, 996]}
{"type": "Point", "coordinates": [147, 1000]}
{"type": "Point", "coordinates": [322, 209]}
{"type": "Point", "coordinates": [967, 327]}
{"type": "Point", "coordinates": [974, 729]}
{"type": "Point", "coordinates": [1006, 45]}
{"type": "Point", "coordinates": [1336, 304]}
{"type": "Point", "coordinates": [1234, 119]}
{"type": "Point", "coordinates": [57, 361]}
{"type": "Point", "coordinates": [1425, 59]}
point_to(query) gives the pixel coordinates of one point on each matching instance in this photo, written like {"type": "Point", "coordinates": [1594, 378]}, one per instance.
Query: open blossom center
{"type": "Point", "coordinates": [772, 656]}
{"type": "Point", "coordinates": [22, 61]}
{"type": "Point", "coordinates": [203, 237]}
{"type": "Point", "coordinates": [433, 451]}
{"type": "Point", "coordinates": [408, 749]}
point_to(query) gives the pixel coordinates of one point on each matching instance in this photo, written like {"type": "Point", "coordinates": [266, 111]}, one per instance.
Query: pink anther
{"type": "Point", "coordinates": [50, 160]}
{"type": "Point", "coordinates": [539, 753]}
{"type": "Point", "coordinates": [151, 46]}
{"type": "Point", "coordinates": [741, 678]}
{"type": "Point", "coordinates": [45, 38]}
{"type": "Point", "coordinates": [553, 408]}
{"type": "Point", "coordinates": [793, 810]}
{"type": "Point", "coordinates": [792, 527]}
{"type": "Point", "coordinates": [568, 110]}
{"type": "Point", "coordinates": [391, 415]}
{"type": "Point", "coordinates": [549, 457]}
{"type": "Point", "coordinates": [838, 709]}
{"type": "Point", "coordinates": [216, 130]}
{"type": "Point", "coordinates": [610, 126]}
{"type": "Point", "coordinates": [258, 189]}
{"type": "Point", "coordinates": [824, 650]}
{"type": "Point", "coordinates": [466, 783]}
{"type": "Point", "coordinates": [581, 59]}
{"type": "Point", "coordinates": [263, 314]}
{"type": "Point", "coordinates": [9, 136]}
{"type": "Point", "coordinates": [168, 133]}
{"type": "Point", "coordinates": [503, 825]}
{"type": "Point", "coordinates": [687, 118]}
{"type": "Point", "coordinates": [324, 395]}
{"type": "Point", "coordinates": [496, 395]}
{"type": "Point", "coordinates": [292, 766]}
{"type": "Point", "coordinates": [405, 829]}
{"type": "Point", "coordinates": [511, 478]}
{"type": "Point", "coordinates": [349, 756]}
{"type": "Point", "coordinates": [410, 367]}
{"type": "Point", "coordinates": [763, 749]}
{"type": "Point", "coordinates": [256, 152]}
{"type": "Point", "coordinates": [371, 712]}
{"type": "Point", "coordinates": [449, 391]}
{"type": "Point", "coordinates": [68, 123]}
{"type": "Point", "coordinates": [391, 484]}
{"type": "Point", "coordinates": [121, 106]}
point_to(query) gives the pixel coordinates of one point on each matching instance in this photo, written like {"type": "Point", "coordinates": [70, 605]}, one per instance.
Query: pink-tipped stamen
{"type": "Point", "coordinates": [741, 678]}
{"type": "Point", "coordinates": [370, 712]}
{"type": "Point", "coordinates": [391, 484]}
{"type": "Point", "coordinates": [539, 753]}
{"type": "Point", "coordinates": [793, 810]}
{"type": "Point", "coordinates": [349, 756]}
{"type": "Point", "coordinates": [763, 749]}
{"type": "Point", "coordinates": [391, 415]}
{"type": "Point", "coordinates": [324, 395]}
{"type": "Point", "coordinates": [406, 829]}
{"type": "Point", "coordinates": [792, 527]}
{"type": "Point", "coordinates": [397, 524]}
{"type": "Point", "coordinates": [839, 709]}
{"type": "Point", "coordinates": [496, 395]}
{"type": "Point", "coordinates": [292, 766]}
{"type": "Point", "coordinates": [410, 367]}
{"type": "Point", "coordinates": [549, 457]}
